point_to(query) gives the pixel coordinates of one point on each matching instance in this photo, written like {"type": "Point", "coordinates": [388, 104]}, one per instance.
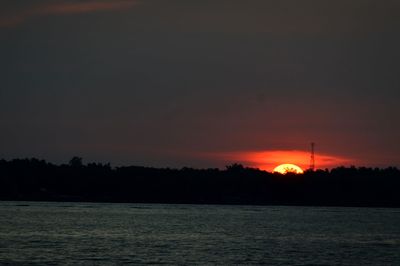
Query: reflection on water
{"type": "Point", "coordinates": [39, 233]}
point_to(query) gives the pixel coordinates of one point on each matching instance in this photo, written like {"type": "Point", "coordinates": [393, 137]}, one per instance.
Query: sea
{"type": "Point", "coordinates": [64, 233]}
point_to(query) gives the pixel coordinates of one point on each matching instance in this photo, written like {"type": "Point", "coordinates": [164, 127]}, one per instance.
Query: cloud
{"type": "Point", "coordinates": [85, 7]}
{"type": "Point", "coordinates": [63, 8]}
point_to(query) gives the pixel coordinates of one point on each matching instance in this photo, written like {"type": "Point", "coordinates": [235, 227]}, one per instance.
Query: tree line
{"type": "Point", "coordinates": [33, 179]}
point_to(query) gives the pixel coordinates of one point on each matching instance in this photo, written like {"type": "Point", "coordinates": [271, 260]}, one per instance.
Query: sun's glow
{"type": "Point", "coordinates": [288, 168]}
{"type": "Point", "coordinates": [267, 160]}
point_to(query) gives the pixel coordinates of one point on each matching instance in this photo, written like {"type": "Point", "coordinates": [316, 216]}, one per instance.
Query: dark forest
{"type": "Point", "coordinates": [38, 180]}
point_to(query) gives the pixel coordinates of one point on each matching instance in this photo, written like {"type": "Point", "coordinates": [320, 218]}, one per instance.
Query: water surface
{"type": "Point", "coordinates": [43, 233]}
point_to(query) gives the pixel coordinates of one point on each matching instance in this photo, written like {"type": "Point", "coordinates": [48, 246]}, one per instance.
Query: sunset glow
{"type": "Point", "coordinates": [268, 160]}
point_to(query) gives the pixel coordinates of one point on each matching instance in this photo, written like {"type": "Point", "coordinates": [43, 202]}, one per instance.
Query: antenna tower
{"type": "Point", "coordinates": [312, 158]}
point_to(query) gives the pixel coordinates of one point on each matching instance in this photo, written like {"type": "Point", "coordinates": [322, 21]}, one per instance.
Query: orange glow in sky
{"type": "Point", "coordinates": [268, 160]}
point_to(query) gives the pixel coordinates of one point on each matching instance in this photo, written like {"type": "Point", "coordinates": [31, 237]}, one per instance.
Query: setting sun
{"type": "Point", "coordinates": [288, 168]}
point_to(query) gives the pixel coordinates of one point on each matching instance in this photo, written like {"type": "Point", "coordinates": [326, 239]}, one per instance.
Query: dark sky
{"type": "Point", "coordinates": [201, 83]}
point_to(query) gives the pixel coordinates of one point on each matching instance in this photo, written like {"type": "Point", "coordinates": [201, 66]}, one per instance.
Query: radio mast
{"type": "Point", "coordinates": [312, 157]}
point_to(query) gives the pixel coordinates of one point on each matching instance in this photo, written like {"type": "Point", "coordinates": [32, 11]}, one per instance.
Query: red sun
{"type": "Point", "coordinates": [288, 168]}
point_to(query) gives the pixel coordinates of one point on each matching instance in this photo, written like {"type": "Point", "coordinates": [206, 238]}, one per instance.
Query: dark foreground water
{"type": "Point", "coordinates": [41, 233]}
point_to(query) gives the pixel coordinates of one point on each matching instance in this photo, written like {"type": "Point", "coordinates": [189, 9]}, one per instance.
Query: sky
{"type": "Point", "coordinates": [201, 83]}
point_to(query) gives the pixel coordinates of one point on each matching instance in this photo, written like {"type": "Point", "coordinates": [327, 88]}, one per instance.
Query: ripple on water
{"type": "Point", "coordinates": [51, 234]}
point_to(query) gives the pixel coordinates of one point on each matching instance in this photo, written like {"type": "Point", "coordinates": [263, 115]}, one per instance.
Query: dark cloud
{"type": "Point", "coordinates": [165, 81]}
{"type": "Point", "coordinates": [13, 17]}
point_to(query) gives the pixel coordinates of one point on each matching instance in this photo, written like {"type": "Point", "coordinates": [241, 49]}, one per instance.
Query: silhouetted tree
{"type": "Point", "coordinates": [236, 167]}
{"type": "Point", "coordinates": [75, 162]}
{"type": "Point", "coordinates": [32, 179]}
